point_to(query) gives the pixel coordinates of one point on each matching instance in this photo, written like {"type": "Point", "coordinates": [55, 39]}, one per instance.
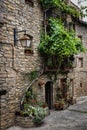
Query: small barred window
{"type": "Point", "coordinates": [80, 62]}
{"type": "Point", "coordinates": [80, 37]}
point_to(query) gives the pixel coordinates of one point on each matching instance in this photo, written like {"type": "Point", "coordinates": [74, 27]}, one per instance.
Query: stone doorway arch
{"type": "Point", "coordinates": [49, 94]}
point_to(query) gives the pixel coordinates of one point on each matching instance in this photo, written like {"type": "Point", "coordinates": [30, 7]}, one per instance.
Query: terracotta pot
{"type": "Point", "coordinates": [57, 106]}
{"type": "Point", "coordinates": [40, 83]}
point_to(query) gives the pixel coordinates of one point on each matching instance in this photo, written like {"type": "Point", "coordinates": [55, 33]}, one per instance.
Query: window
{"type": "Point", "coordinates": [80, 62]}
{"type": "Point", "coordinates": [81, 84]}
{"type": "Point", "coordinates": [71, 26]}
{"type": "Point", "coordinates": [80, 37]}
{"type": "Point", "coordinates": [30, 2]}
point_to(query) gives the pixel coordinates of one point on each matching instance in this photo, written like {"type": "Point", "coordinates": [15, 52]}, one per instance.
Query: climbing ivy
{"type": "Point", "coordinates": [59, 41]}
{"type": "Point", "coordinates": [56, 40]}
{"type": "Point", "coordinates": [60, 4]}
{"type": "Point", "coordinates": [30, 76]}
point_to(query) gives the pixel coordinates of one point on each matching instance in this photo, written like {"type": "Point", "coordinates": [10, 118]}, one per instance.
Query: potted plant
{"type": "Point", "coordinates": [62, 104]}
{"type": "Point", "coordinates": [59, 105]}
{"type": "Point", "coordinates": [40, 83]}
{"type": "Point", "coordinates": [39, 115]}
{"type": "Point", "coordinates": [71, 100]}
{"type": "Point", "coordinates": [56, 105]}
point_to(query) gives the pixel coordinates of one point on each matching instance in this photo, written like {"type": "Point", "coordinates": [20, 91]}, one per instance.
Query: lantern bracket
{"type": "Point", "coordinates": [16, 35]}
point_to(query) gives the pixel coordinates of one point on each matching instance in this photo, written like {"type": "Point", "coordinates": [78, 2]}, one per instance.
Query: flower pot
{"type": "Point", "coordinates": [40, 83]}
{"type": "Point", "coordinates": [57, 106]}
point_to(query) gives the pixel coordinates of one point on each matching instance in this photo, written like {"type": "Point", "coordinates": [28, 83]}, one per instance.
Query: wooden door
{"type": "Point", "coordinates": [49, 94]}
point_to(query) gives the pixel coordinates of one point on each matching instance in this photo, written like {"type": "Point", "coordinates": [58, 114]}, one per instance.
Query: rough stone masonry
{"type": "Point", "coordinates": [23, 16]}
{"type": "Point", "coordinates": [14, 62]}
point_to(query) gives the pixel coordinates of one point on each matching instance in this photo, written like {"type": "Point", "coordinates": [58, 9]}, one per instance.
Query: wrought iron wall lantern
{"type": "Point", "coordinates": [25, 40]}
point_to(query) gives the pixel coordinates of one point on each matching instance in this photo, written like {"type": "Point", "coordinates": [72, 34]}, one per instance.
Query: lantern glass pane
{"type": "Point", "coordinates": [23, 43]}
{"type": "Point", "coordinates": [28, 43]}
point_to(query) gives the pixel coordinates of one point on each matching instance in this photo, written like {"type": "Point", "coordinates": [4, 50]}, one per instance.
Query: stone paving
{"type": "Point", "coordinates": [74, 118]}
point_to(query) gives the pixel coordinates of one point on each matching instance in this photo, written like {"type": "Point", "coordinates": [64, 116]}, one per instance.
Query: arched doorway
{"type": "Point", "coordinates": [49, 94]}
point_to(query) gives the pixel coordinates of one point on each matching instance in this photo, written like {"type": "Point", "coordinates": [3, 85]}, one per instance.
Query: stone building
{"type": "Point", "coordinates": [81, 61]}
{"type": "Point", "coordinates": [16, 60]}
{"type": "Point", "coordinates": [23, 15]}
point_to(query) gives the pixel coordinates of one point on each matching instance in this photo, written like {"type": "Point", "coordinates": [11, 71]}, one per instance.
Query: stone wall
{"type": "Point", "coordinates": [7, 82]}
{"type": "Point", "coordinates": [80, 78]}
{"type": "Point", "coordinates": [13, 61]}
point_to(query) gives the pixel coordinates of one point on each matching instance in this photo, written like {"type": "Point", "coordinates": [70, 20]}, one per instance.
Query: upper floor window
{"type": "Point", "coordinates": [71, 26]}
{"type": "Point", "coordinates": [80, 37]}
{"type": "Point", "coordinates": [30, 2]}
{"type": "Point", "coordinates": [80, 62]}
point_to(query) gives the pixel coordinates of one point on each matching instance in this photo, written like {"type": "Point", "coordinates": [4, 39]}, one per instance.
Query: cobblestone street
{"type": "Point", "coordinates": [74, 118]}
